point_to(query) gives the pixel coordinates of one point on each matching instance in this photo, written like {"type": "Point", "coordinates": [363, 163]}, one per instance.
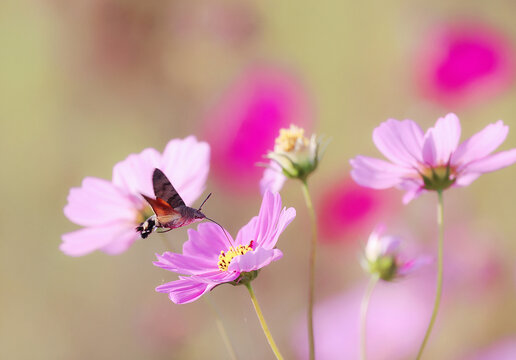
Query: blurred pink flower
{"type": "Point", "coordinates": [398, 315]}
{"type": "Point", "coordinates": [347, 211]}
{"type": "Point", "coordinates": [464, 62]}
{"type": "Point", "coordinates": [209, 260]}
{"type": "Point", "coordinates": [430, 161]}
{"type": "Point", "coordinates": [502, 350]}
{"type": "Point", "coordinates": [382, 257]}
{"type": "Point", "coordinates": [245, 122]}
{"type": "Point", "coordinates": [110, 211]}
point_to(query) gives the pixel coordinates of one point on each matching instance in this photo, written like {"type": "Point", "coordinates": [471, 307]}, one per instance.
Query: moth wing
{"type": "Point", "coordinates": [164, 212]}
{"type": "Point", "coordinates": [163, 189]}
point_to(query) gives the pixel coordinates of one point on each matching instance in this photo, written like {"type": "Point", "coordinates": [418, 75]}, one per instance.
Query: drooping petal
{"type": "Point", "coordinates": [481, 144]}
{"type": "Point", "coordinates": [378, 174]}
{"type": "Point", "coordinates": [84, 241]}
{"type": "Point", "coordinates": [207, 241]}
{"type": "Point", "coordinates": [184, 290]}
{"type": "Point", "coordinates": [494, 162]}
{"type": "Point", "coordinates": [273, 179]}
{"type": "Point", "coordinates": [413, 188]}
{"type": "Point", "coordinates": [254, 260]}
{"type": "Point", "coordinates": [99, 202]}
{"type": "Point", "coordinates": [185, 264]}
{"type": "Point", "coordinates": [134, 174]}
{"type": "Point", "coordinates": [186, 162]}
{"type": "Point", "coordinates": [399, 141]}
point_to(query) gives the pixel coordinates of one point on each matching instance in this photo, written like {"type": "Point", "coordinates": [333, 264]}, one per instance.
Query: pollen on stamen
{"type": "Point", "coordinates": [288, 138]}
{"type": "Point", "coordinates": [225, 257]}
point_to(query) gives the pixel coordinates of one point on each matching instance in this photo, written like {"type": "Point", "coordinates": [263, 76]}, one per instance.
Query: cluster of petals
{"type": "Point", "coordinates": [199, 262]}
{"type": "Point", "coordinates": [110, 210]}
{"type": "Point", "coordinates": [295, 157]}
{"type": "Point", "coordinates": [417, 157]}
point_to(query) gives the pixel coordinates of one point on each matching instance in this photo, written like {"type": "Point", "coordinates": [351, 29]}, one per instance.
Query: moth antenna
{"type": "Point", "coordinates": [225, 233]}
{"type": "Point", "coordinates": [207, 197]}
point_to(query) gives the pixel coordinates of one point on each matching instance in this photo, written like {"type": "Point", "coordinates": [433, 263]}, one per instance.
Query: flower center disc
{"type": "Point", "coordinates": [225, 257]}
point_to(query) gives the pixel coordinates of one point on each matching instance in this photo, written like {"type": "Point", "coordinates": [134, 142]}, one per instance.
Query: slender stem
{"type": "Point", "coordinates": [263, 323]}
{"type": "Point", "coordinates": [439, 273]}
{"type": "Point", "coordinates": [364, 306]}
{"type": "Point", "coordinates": [311, 274]}
{"type": "Point", "coordinates": [221, 328]}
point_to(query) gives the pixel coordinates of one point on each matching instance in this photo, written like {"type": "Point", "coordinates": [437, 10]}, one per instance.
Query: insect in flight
{"type": "Point", "coordinates": [170, 211]}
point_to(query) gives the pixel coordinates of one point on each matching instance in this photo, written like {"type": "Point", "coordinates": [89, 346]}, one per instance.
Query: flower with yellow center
{"type": "Point", "coordinates": [295, 156]}
{"type": "Point", "coordinates": [225, 257]}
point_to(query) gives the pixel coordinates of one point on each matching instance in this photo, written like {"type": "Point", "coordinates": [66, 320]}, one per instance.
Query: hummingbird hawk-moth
{"type": "Point", "coordinates": [170, 211]}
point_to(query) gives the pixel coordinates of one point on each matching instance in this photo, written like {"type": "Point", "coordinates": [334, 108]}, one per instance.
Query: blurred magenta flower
{"type": "Point", "coordinates": [111, 210]}
{"type": "Point", "coordinates": [262, 101]}
{"type": "Point", "coordinates": [430, 161]}
{"type": "Point", "coordinates": [398, 315]}
{"type": "Point", "coordinates": [209, 258]}
{"type": "Point", "coordinates": [501, 350]}
{"type": "Point", "coordinates": [382, 258]}
{"type": "Point", "coordinates": [464, 62]}
{"type": "Point", "coordinates": [348, 211]}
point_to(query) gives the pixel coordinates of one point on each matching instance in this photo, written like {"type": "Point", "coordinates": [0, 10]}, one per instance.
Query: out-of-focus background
{"type": "Point", "coordinates": [83, 84]}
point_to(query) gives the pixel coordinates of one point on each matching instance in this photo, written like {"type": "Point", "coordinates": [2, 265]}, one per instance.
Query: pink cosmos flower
{"type": "Point", "coordinates": [111, 210]}
{"type": "Point", "coordinates": [433, 160]}
{"type": "Point", "coordinates": [463, 63]}
{"type": "Point", "coordinates": [210, 259]}
{"type": "Point", "coordinates": [382, 257]}
{"type": "Point", "coordinates": [347, 212]}
{"type": "Point", "coordinates": [261, 101]}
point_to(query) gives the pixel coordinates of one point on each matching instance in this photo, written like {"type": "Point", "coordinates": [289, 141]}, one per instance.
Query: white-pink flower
{"type": "Point", "coordinates": [383, 259]}
{"type": "Point", "coordinates": [111, 210]}
{"type": "Point", "coordinates": [433, 160]}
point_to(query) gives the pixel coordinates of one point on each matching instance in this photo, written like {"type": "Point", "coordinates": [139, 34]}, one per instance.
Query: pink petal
{"type": "Point", "coordinates": [254, 260]}
{"type": "Point", "coordinates": [481, 144]}
{"type": "Point", "coordinates": [414, 188]}
{"type": "Point", "coordinates": [399, 141]}
{"type": "Point", "coordinates": [466, 179]}
{"type": "Point", "coordinates": [84, 241]}
{"type": "Point", "coordinates": [135, 172]}
{"type": "Point", "coordinates": [441, 141]}
{"type": "Point", "coordinates": [186, 162]}
{"type": "Point", "coordinates": [207, 241]}
{"type": "Point", "coordinates": [378, 174]}
{"type": "Point", "coordinates": [184, 264]}
{"type": "Point", "coordinates": [99, 202]}
{"type": "Point", "coordinates": [184, 290]}
{"type": "Point", "coordinates": [121, 243]}
{"type": "Point", "coordinates": [273, 179]}
{"type": "Point", "coordinates": [494, 162]}
{"type": "Point", "coordinates": [266, 228]}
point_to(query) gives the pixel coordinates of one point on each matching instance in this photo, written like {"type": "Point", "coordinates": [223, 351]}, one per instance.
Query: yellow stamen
{"type": "Point", "coordinates": [288, 138]}
{"type": "Point", "coordinates": [226, 257]}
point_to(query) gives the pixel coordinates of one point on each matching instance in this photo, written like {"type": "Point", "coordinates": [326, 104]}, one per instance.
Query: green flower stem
{"type": "Point", "coordinates": [440, 221]}
{"type": "Point", "coordinates": [221, 328]}
{"type": "Point", "coordinates": [364, 306]}
{"type": "Point", "coordinates": [311, 276]}
{"type": "Point", "coordinates": [262, 322]}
